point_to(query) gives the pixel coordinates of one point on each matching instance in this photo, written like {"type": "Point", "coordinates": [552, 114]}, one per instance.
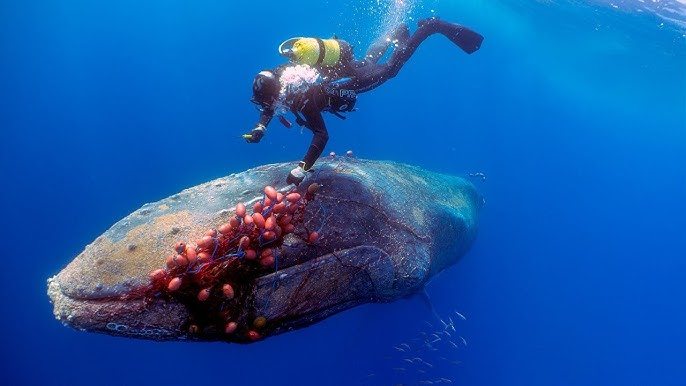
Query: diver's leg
{"type": "Point", "coordinates": [379, 47]}
{"type": "Point", "coordinates": [463, 37]}
{"type": "Point", "coordinates": [320, 137]}
{"type": "Point", "coordinates": [376, 50]}
{"type": "Point", "coordinates": [373, 75]}
{"type": "Point", "coordinates": [315, 122]}
{"type": "Point", "coordinates": [369, 77]}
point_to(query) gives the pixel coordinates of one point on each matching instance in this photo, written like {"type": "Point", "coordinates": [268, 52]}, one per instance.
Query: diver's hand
{"type": "Point", "coordinates": [255, 135]}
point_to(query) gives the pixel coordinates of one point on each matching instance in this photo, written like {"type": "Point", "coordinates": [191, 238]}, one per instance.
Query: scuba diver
{"type": "Point", "coordinates": [323, 76]}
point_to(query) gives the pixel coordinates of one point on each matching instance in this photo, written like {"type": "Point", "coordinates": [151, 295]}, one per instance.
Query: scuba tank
{"type": "Point", "coordinates": [317, 52]}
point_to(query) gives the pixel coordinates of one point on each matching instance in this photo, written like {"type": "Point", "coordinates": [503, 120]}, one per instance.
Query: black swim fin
{"type": "Point", "coordinates": [467, 39]}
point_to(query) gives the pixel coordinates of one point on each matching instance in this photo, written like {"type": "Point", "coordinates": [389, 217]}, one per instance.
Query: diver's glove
{"type": "Point", "coordinates": [297, 175]}
{"type": "Point", "coordinates": [255, 135]}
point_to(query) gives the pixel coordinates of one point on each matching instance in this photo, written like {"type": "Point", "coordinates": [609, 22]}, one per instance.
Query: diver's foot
{"type": "Point", "coordinates": [296, 176]}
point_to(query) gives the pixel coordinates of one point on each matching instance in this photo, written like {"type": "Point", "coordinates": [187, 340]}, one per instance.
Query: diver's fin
{"type": "Point", "coordinates": [466, 39]}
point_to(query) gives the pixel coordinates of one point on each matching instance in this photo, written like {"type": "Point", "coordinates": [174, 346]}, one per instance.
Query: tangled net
{"type": "Point", "coordinates": [212, 276]}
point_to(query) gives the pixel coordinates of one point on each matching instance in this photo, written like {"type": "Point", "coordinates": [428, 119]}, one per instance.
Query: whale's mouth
{"type": "Point", "coordinates": [136, 318]}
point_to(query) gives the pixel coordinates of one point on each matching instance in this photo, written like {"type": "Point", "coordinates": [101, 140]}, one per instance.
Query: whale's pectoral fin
{"type": "Point", "coordinates": [331, 283]}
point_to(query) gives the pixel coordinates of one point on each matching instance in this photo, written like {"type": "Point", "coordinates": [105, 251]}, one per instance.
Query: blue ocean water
{"type": "Point", "coordinates": [575, 111]}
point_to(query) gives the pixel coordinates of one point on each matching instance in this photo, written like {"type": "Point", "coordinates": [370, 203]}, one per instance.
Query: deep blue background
{"type": "Point", "coordinates": [577, 115]}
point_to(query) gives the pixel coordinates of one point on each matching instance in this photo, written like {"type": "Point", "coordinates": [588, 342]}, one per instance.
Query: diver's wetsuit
{"type": "Point", "coordinates": [338, 96]}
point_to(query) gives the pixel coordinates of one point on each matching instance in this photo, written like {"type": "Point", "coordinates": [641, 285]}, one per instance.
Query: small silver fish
{"type": "Point", "coordinates": [452, 324]}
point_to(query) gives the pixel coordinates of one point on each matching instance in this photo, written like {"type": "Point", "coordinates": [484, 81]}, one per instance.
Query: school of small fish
{"type": "Point", "coordinates": [431, 356]}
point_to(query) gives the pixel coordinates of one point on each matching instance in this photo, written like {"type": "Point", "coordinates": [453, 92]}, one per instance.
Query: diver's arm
{"type": "Point", "coordinates": [256, 134]}
{"type": "Point", "coordinates": [265, 117]}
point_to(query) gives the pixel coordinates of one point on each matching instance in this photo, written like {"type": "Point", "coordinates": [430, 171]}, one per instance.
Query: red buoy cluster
{"type": "Point", "coordinates": [211, 271]}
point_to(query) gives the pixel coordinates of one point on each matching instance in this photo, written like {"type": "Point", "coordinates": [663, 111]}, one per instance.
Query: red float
{"type": "Point", "coordinates": [314, 236]}
{"type": "Point", "coordinates": [180, 247]}
{"type": "Point", "coordinates": [279, 208]}
{"type": "Point", "coordinates": [267, 261]}
{"type": "Point", "coordinates": [204, 294]}
{"type": "Point", "coordinates": [253, 335]}
{"type": "Point", "coordinates": [293, 197]}
{"type": "Point", "coordinates": [191, 254]}
{"type": "Point", "coordinates": [240, 210]}
{"type": "Point", "coordinates": [157, 274]}
{"type": "Point", "coordinates": [271, 193]}
{"type": "Point", "coordinates": [230, 327]}
{"type": "Point", "coordinates": [225, 228]}
{"type": "Point", "coordinates": [174, 284]}
{"type": "Point", "coordinates": [258, 219]}
{"type": "Point", "coordinates": [227, 290]}
{"type": "Point", "coordinates": [270, 223]}
{"type": "Point", "coordinates": [206, 242]}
